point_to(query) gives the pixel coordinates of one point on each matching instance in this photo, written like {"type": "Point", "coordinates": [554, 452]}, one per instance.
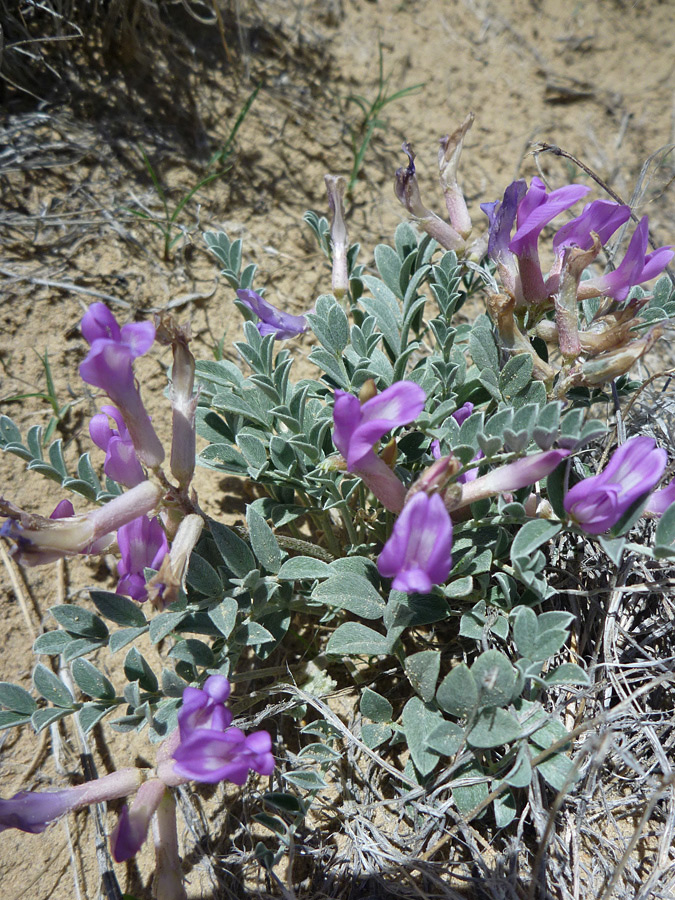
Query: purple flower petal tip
{"type": "Point", "coordinates": [272, 320]}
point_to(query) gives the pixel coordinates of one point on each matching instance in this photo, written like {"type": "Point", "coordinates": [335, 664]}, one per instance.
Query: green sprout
{"type": "Point", "coordinates": [59, 410]}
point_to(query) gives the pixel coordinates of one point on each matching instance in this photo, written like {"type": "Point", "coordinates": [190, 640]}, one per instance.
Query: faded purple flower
{"type": "Point", "coordinates": [418, 552]}
{"type": "Point", "coordinates": [471, 474]}
{"type": "Point", "coordinates": [357, 427]}
{"type": "Point", "coordinates": [121, 463]}
{"type": "Point", "coordinates": [205, 708]}
{"type": "Point", "coordinates": [501, 218]}
{"type": "Point", "coordinates": [272, 320]}
{"type": "Point", "coordinates": [601, 216]}
{"type": "Point", "coordinates": [512, 477]}
{"type": "Point", "coordinates": [636, 267]}
{"type": "Point", "coordinates": [597, 503]}
{"type": "Point", "coordinates": [143, 545]}
{"type": "Point", "coordinates": [109, 366]}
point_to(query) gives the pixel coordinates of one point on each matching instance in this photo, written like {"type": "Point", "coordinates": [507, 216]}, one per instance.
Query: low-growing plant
{"type": "Point", "coordinates": [408, 494]}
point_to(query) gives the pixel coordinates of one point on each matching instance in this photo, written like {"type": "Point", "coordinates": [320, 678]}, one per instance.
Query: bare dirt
{"type": "Point", "coordinates": [593, 78]}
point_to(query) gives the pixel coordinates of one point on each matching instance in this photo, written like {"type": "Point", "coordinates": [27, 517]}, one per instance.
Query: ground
{"type": "Point", "coordinates": [593, 78]}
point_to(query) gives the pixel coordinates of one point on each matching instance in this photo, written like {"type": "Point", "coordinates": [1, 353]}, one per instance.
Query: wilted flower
{"type": "Point", "coordinates": [272, 320]}
{"type": "Point", "coordinates": [133, 823]}
{"type": "Point", "coordinates": [40, 540]}
{"type": "Point", "coordinates": [121, 463]}
{"type": "Point", "coordinates": [512, 477]}
{"type": "Point", "coordinates": [408, 192]}
{"type": "Point", "coordinates": [109, 366]}
{"type": "Point", "coordinates": [599, 502]}
{"type": "Point", "coordinates": [418, 553]}
{"type": "Point", "coordinates": [335, 185]}
{"type": "Point", "coordinates": [357, 427]}
{"type": "Point", "coordinates": [143, 545]}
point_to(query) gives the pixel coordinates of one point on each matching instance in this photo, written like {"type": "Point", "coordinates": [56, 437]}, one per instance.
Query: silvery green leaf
{"type": "Point", "coordinates": [567, 673]}
{"type": "Point", "coordinates": [531, 536]}
{"type": "Point", "coordinates": [224, 616]}
{"type": "Point", "coordinates": [52, 643]}
{"type": "Point", "coordinates": [91, 714]}
{"type": "Point", "coordinates": [163, 624]}
{"type": "Point", "coordinates": [123, 637]}
{"type": "Point", "coordinates": [17, 699]}
{"type": "Point", "coordinates": [254, 452]}
{"type": "Point", "coordinates": [42, 718]}
{"type": "Point", "coordinates": [495, 677]}
{"type": "Point", "coordinates": [388, 265]}
{"type": "Point", "coordinates": [374, 734]}
{"type": "Point", "coordinates": [355, 639]}
{"type": "Point", "coordinates": [91, 681]}
{"type": "Point", "coordinates": [505, 809]}
{"type": "Point", "coordinates": [263, 541]}
{"type": "Point", "coordinates": [520, 775]}
{"type": "Point", "coordinates": [483, 350]}
{"type": "Point", "coordinates": [468, 796]}
{"type": "Point", "coordinates": [526, 632]}
{"type": "Point", "coordinates": [222, 457]}
{"type": "Point", "coordinates": [352, 592]}
{"type": "Point", "coordinates": [305, 779]}
{"type": "Point", "coordinates": [202, 577]}
{"type": "Point", "coordinates": [458, 587]}
{"type": "Point", "coordinates": [458, 692]}
{"type": "Point", "coordinates": [12, 719]}
{"type": "Point", "coordinates": [137, 669]}
{"type": "Point", "coordinates": [422, 670]}
{"type": "Point", "coordinates": [79, 621]}
{"type": "Point", "coordinates": [322, 753]}
{"type": "Point", "coordinates": [664, 537]}
{"type": "Point", "coordinates": [515, 376]}
{"type": "Point", "coordinates": [492, 728]}
{"type": "Point", "coordinates": [194, 652]}
{"type": "Point", "coordinates": [299, 568]}
{"type": "Point", "coordinates": [236, 553]}
{"type": "Point", "coordinates": [51, 687]}
{"type": "Point", "coordinates": [419, 721]}
{"type": "Point", "coordinates": [375, 707]}
{"type": "Point", "coordinates": [172, 684]}
{"type": "Point", "coordinates": [253, 634]}
{"type": "Point", "coordinates": [333, 367]}
{"type": "Point", "coordinates": [446, 738]}
{"type": "Point", "coordinates": [118, 608]}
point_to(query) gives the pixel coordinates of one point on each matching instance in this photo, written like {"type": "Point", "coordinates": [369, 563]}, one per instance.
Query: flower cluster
{"type": "Point", "coordinates": [205, 747]}
{"type": "Point", "coordinates": [418, 552]}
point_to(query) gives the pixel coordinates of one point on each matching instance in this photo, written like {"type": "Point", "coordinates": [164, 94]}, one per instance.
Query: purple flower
{"type": "Point", "coordinates": [272, 320]}
{"type": "Point", "coordinates": [601, 216]}
{"type": "Point", "coordinates": [205, 708]}
{"type": "Point", "coordinates": [599, 502]}
{"type": "Point", "coordinates": [109, 366]}
{"type": "Point", "coordinates": [636, 267]}
{"type": "Point", "coordinates": [471, 474]}
{"type": "Point", "coordinates": [121, 463]}
{"type": "Point", "coordinates": [417, 555]}
{"type": "Point", "coordinates": [501, 217]}
{"type": "Point", "coordinates": [535, 210]}
{"type": "Point", "coordinates": [211, 755]}
{"type": "Point", "coordinates": [63, 510]}
{"type": "Point", "coordinates": [133, 823]}
{"type": "Point", "coordinates": [357, 427]}
{"type": "Point", "coordinates": [142, 544]}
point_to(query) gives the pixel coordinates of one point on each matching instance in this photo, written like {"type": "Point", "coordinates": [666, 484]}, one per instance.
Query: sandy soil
{"type": "Point", "coordinates": [593, 78]}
